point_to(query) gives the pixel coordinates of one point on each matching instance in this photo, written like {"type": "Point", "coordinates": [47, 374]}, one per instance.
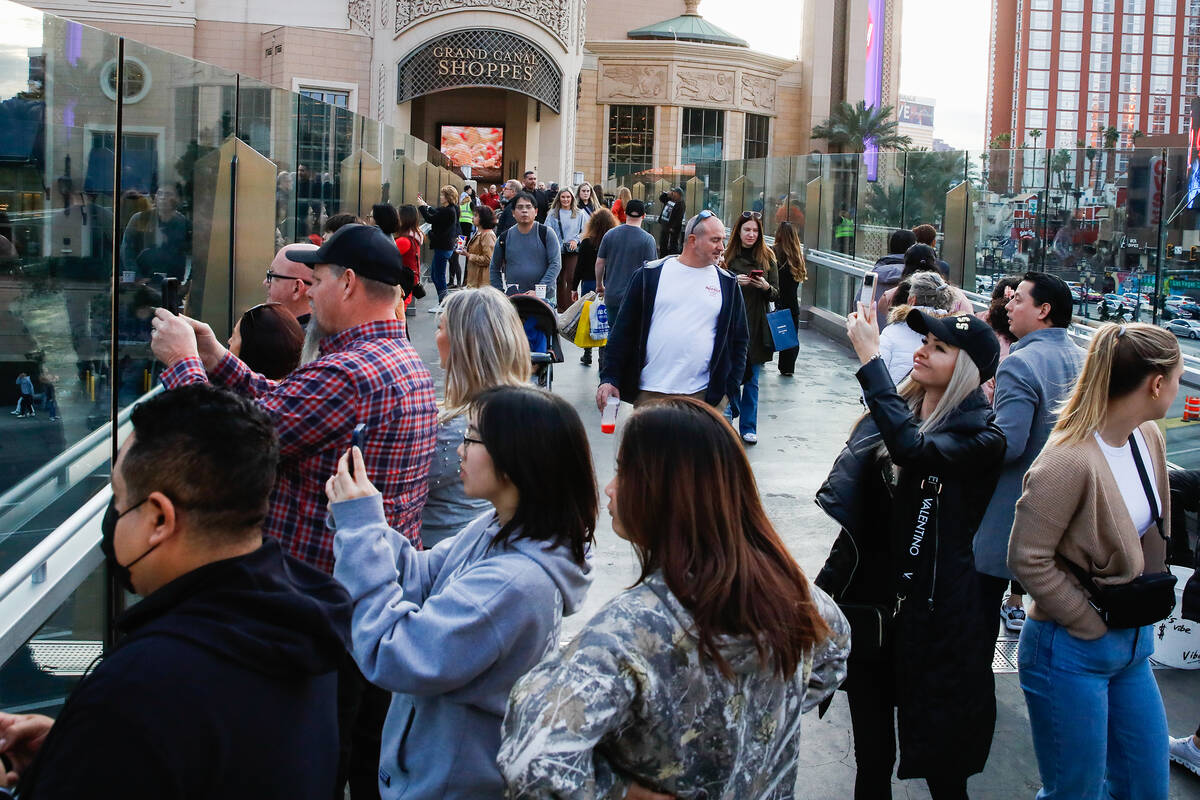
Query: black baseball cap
{"type": "Point", "coordinates": [365, 249]}
{"type": "Point", "coordinates": [635, 208]}
{"type": "Point", "coordinates": [677, 190]}
{"type": "Point", "coordinates": [965, 331]}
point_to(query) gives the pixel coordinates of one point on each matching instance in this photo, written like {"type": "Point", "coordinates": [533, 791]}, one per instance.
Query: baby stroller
{"type": "Point", "coordinates": [541, 327]}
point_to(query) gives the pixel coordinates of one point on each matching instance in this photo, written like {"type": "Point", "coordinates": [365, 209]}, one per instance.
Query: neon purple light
{"type": "Point", "coordinates": [74, 44]}
{"type": "Point", "coordinates": [873, 85]}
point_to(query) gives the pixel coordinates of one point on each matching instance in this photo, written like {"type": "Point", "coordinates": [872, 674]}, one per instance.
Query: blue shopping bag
{"type": "Point", "coordinates": [783, 329]}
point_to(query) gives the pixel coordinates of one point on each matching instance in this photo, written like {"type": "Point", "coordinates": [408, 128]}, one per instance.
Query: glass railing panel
{"type": "Point", "coordinates": [839, 200]}
{"type": "Point", "coordinates": [40, 675]}
{"type": "Point", "coordinates": [57, 109]}
{"type": "Point", "coordinates": [882, 181]}
{"type": "Point", "coordinates": [779, 200]}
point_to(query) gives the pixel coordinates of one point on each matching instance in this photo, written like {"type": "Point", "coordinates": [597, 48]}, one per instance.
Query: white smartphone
{"type": "Point", "coordinates": [867, 295]}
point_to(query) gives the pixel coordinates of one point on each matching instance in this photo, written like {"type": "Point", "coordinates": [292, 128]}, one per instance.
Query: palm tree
{"type": "Point", "coordinates": [1111, 136]}
{"type": "Point", "coordinates": [1135, 136]}
{"type": "Point", "coordinates": [1035, 134]}
{"type": "Point", "coordinates": [851, 127]}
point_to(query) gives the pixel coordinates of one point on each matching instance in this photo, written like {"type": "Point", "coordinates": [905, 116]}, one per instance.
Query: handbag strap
{"type": "Point", "coordinates": [914, 552]}
{"type": "Point", "coordinates": [1141, 468]}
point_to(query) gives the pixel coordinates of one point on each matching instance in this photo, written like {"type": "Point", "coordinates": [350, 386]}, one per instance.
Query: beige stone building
{"type": "Point", "coordinates": [573, 89]}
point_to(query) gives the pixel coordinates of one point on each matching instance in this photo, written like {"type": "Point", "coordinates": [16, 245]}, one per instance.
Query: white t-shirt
{"type": "Point", "coordinates": [1124, 470]}
{"type": "Point", "coordinates": [683, 328]}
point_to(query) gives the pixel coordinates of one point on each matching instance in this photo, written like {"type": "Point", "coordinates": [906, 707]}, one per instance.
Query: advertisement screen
{"type": "Point", "coordinates": [916, 113]}
{"type": "Point", "coordinates": [477, 147]}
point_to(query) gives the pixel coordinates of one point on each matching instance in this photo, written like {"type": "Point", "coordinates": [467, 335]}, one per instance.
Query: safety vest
{"type": "Point", "coordinates": [844, 229]}
{"type": "Point", "coordinates": [465, 212]}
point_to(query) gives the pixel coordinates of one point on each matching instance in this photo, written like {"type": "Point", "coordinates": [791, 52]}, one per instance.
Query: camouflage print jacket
{"type": "Point", "coordinates": [631, 700]}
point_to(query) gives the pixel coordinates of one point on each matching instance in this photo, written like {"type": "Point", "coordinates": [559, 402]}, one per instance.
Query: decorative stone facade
{"type": "Point", "coordinates": [553, 15]}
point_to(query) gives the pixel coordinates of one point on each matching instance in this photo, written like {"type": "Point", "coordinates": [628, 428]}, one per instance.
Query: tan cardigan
{"type": "Point", "coordinates": [1072, 508]}
{"type": "Point", "coordinates": [479, 258]}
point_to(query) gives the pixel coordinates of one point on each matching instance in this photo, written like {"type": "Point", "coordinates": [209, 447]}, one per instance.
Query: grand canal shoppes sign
{"type": "Point", "coordinates": [475, 58]}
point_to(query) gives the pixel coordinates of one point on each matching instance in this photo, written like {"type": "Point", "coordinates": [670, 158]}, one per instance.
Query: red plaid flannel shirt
{"type": "Point", "coordinates": [370, 374]}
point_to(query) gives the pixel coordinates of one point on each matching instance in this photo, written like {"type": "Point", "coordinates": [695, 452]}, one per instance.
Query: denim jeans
{"type": "Point", "coordinates": [748, 420]}
{"type": "Point", "coordinates": [1099, 728]}
{"type": "Point", "coordinates": [437, 271]}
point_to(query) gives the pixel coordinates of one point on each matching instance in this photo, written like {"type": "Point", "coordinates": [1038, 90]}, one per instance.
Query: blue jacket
{"type": "Point", "coordinates": [1035, 379]}
{"type": "Point", "coordinates": [448, 631]}
{"type": "Point", "coordinates": [631, 330]}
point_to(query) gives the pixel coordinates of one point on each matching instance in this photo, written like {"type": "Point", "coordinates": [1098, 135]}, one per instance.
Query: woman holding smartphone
{"type": "Point", "coordinates": [753, 263]}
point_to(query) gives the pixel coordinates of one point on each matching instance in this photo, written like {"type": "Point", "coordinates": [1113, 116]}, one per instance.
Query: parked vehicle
{"type": "Point", "coordinates": [1184, 328]}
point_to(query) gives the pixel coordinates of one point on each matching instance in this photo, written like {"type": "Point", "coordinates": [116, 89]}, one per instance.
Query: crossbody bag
{"type": "Point", "coordinates": [1147, 598]}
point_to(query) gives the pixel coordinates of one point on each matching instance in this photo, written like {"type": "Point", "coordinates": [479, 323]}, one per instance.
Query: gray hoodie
{"type": "Point", "coordinates": [448, 631]}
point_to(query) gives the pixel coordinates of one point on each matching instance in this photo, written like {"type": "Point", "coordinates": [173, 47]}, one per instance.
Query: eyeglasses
{"type": "Point", "coordinates": [271, 276]}
{"type": "Point", "coordinates": [751, 215]}
{"type": "Point", "coordinates": [696, 220]}
{"type": "Point", "coordinates": [469, 440]}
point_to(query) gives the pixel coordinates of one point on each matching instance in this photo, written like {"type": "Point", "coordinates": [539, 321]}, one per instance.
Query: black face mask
{"type": "Point", "coordinates": [108, 530]}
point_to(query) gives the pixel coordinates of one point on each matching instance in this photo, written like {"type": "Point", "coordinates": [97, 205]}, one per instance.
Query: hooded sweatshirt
{"type": "Point", "coordinates": [448, 631]}
{"type": "Point", "coordinates": [224, 686]}
{"type": "Point", "coordinates": [631, 699]}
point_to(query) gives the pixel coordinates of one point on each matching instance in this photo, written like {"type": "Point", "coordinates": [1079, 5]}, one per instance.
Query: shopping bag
{"type": "Point", "coordinates": [783, 329]}
{"type": "Point", "coordinates": [569, 319]}
{"type": "Point", "coordinates": [583, 331]}
{"type": "Point", "coordinates": [598, 320]}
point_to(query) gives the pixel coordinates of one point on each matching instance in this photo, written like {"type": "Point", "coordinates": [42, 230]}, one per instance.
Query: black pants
{"type": "Point", "coordinates": [873, 717]}
{"type": "Point", "coordinates": [787, 358]}
{"type": "Point", "coordinates": [362, 709]}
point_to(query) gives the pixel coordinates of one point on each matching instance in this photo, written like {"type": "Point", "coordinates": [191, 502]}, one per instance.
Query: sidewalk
{"type": "Point", "coordinates": [803, 423]}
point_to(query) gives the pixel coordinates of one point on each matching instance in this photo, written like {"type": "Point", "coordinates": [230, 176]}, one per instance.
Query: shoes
{"type": "Point", "coordinates": [750, 438]}
{"type": "Point", "coordinates": [787, 374]}
{"type": "Point", "coordinates": [1183, 751]}
{"type": "Point", "coordinates": [16, 413]}
{"type": "Point", "coordinates": [1013, 616]}
{"type": "Point", "coordinates": [436, 309]}
{"type": "Point", "coordinates": [586, 359]}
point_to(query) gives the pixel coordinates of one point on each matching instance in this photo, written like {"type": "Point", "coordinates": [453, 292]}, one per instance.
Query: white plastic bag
{"type": "Point", "coordinates": [598, 320]}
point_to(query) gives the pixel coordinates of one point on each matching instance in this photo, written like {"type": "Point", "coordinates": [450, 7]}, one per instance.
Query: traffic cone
{"type": "Point", "coordinates": [1191, 409]}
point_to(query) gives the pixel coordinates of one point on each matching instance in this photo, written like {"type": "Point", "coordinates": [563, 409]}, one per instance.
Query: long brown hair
{"type": "Point", "coordinates": [787, 245]}
{"type": "Point", "coordinates": [598, 224]}
{"type": "Point", "coordinates": [688, 502]}
{"type": "Point", "coordinates": [760, 254]}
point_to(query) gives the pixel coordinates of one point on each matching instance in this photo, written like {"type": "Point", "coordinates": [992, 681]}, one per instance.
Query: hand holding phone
{"type": "Point", "coordinates": [358, 439]}
{"type": "Point", "coordinates": [867, 295]}
{"type": "Point", "coordinates": [170, 295]}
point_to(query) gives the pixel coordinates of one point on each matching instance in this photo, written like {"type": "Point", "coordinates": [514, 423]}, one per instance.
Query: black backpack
{"type": "Point", "coordinates": [541, 229]}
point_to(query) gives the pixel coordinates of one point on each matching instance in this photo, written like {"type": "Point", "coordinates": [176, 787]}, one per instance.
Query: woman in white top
{"type": "Point", "coordinates": [1093, 517]}
{"type": "Point", "coordinates": [567, 221]}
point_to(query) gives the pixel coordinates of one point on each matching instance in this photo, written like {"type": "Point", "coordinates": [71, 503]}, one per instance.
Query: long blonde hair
{"type": "Point", "coordinates": [1119, 358]}
{"type": "Point", "coordinates": [963, 381]}
{"type": "Point", "coordinates": [624, 195]}
{"type": "Point", "coordinates": [487, 347]}
{"type": "Point", "coordinates": [787, 245]}
{"type": "Point", "coordinates": [450, 195]}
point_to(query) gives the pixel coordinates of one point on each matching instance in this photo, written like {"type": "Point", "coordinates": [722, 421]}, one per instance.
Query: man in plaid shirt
{"type": "Point", "coordinates": [367, 373]}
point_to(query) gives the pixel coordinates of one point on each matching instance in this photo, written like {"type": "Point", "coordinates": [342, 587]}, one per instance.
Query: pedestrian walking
{"type": "Point", "coordinates": [674, 212]}
{"type": "Point", "coordinates": [597, 227]}
{"type": "Point", "coordinates": [908, 491]}
{"type": "Point", "coordinates": [443, 230]}
{"type": "Point", "coordinates": [528, 254]}
{"type": "Point", "coordinates": [507, 219]}
{"type": "Point", "coordinates": [618, 206]}
{"type": "Point", "coordinates": [789, 255]}
{"type": "Point", "coordinates": [1096, 510]}
{"type": "Point", "coordinates": [480, 247]}
{"type": "Point", "coordinates": [586, 199]}
{"type": "Point", "coordinates": [692, 682]}
{"type": "Point", "coordinates": [752, 263]}
{"type": "Point", "coordinates": [623, 251]}
{"type": "Point", "coordinates": [567, 222]}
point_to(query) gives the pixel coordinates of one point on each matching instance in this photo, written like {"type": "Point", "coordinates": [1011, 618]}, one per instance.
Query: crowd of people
{"type": "Point", "coordinates": [338, 562]}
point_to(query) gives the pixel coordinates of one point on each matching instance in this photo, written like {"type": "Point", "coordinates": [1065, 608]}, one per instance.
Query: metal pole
{"type": "Point", "coordinates": [114, 596]}
{"type": "Point", "coordinates": [1161, 234]}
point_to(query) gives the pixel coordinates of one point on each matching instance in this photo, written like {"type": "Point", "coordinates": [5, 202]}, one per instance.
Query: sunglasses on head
{"type": "Point", "coordinates": [696, 220]}
{"type": "Point", "coordinates": [751, 215]}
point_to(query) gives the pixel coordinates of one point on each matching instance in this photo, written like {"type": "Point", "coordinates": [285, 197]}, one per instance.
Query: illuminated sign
{"type": "Point", "coordinates": [873, 84]}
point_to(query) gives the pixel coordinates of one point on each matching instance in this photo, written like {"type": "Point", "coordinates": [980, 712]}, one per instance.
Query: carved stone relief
{"type": "Point", "coordinates": [382, 97]}
{"type": "Point", "coordinates": [704, 86]}
{"type": "Point", "coordinates": [758, 92]}
{"type": "Point", "coordinates": [385, 15]}
{"type": "Point", "coordinates": [633, 83]}
{"type": "Point", "coordinates": [553, 14]}
{"type": "Point", "coordinates": [362, 14]}
{"type": "Point", "coordinates": [582, 23]}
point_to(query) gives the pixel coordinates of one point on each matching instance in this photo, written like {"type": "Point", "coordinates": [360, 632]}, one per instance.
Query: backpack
{"type": "Point", "coordinates": [541, 229]}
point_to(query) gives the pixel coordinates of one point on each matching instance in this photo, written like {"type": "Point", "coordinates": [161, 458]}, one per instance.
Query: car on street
{"type": "Point", "coordinates": [1184, 328]}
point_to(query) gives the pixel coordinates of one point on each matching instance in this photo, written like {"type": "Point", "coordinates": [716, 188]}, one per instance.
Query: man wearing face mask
{"type": "Point", "coordinates": [224, 681]}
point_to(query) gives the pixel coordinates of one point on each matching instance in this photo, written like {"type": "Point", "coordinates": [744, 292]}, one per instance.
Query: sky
{"type": "Point", "coordinates": [943, 53]}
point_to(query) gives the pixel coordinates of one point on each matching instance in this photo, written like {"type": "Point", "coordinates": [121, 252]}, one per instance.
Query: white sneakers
{"type": "Point", "coordinates": [1013, 616]}
{"type": "Point", "coordinates": [1185, 753]}
{"type": "Point", "coordinates": [750, 438]}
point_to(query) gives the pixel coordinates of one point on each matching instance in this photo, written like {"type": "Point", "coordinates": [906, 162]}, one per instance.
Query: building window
{"type": "Point", "coordinates": [254, 115]}
{"type": "Point", "coordinates": [1131, 83]}
{"type": "Point", "coordinates": [703, 135]}
{"type": "Point", "coordinates": [1071, 22]}
{"type": "Point", "coordinates": [137, 79]}
{"type": "Point", "coordinates": [1160, 84]}
{"type": "Point", "coordinates": [1135, 6]}
{"type": "Point", "coordinates": [1039, 79]}
{"type": "Point", "coordinates": [1071, 61]}
{"type": "Point", "coordinates": [1098, 101]}
{"type": "Point", "coordinates": [1098, 83]}
{"type": "Point", "coordinates": [1035, 98]}
{"type": "Point", "coordinates": [1131, 44]}
{"type": "Point", "coordinates": [1068, 81]}
{"type": "Point", "coordinates": [1039, 40]}
{"type": "Point", "coordinates": [1101, 62]}
{"type": "Point", "coordinates": [1164, 26]}
{"type": "Point", "coordinates": [1131, 24]}
{"type": "Point", "coordinates": [1101, 43]}
{"type": "Point", "coordinates": [1072, 5]}
{"type": "Point", "coordinates": [758, 136]}
{"type": "Point", "coordinates": [1067, 119]}
{"type": "Point", "coordinates": [1070, 41]}
{"type": "Point", "coordinates": [1039, 59]}
{"type": "Point", "coordinates": [1065, 138]}
{"type": "Point", "coordinates": [1040, 20]}
{"type": "Point", "coordinates": [1160, 65]}
{"type": "Point", "coordinates": [630, 139]}
{"type": "Point", "coordinates": [1102, 23]}
{"type": "Point", "coordinates": [1164, 6]}
{"type": "Point", "coordinates": [334, 97]}
{"type": "Point", "coordinates": [1132, 63]}
{"type": "Point", "coordinates": [1068, 101]}
{"type": "Point", "coordinates": [1035, 118]}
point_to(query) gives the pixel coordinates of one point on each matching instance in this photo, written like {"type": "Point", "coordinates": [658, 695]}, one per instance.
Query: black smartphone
{"type": "Point", "coordinates": [359, 440]}
{"type": "Point", "coordinates": [170, 295]}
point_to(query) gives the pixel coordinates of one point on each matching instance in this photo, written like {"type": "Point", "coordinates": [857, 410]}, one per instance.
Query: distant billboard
{"type": "Point", "coordinates": [478, 147]}
{"type": "Point", "coordinates": [914, 113]}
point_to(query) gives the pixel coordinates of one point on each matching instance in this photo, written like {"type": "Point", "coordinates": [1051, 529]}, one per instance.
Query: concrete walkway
{"type": "Point", "coordinates": [803, 423]}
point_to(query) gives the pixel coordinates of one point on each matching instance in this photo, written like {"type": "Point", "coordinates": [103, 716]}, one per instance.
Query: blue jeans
{"type": "Point", "coordinates": [1099, 728]}
{"type": "Point", "coordinates": [748, 418]}
{"type": "Point", "coordinates": [437, 271]}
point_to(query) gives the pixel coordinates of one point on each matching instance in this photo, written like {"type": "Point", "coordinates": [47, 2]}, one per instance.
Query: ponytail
{"type": "Point", "coordinates": [1119, 359]}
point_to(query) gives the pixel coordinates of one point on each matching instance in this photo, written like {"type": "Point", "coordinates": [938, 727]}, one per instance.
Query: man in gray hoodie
{"type": "Point", "coordinates": [1035, 379]}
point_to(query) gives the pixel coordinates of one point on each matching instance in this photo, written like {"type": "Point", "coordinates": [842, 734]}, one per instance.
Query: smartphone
{"type": "Point", "coordinates": [170, 295]}
{"type": "Point", "coordinates": [756, 273]}
{"type": "Point", "coordinates": [867, 295]}
{"type": "Point", "coordinates": [359, 440]}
